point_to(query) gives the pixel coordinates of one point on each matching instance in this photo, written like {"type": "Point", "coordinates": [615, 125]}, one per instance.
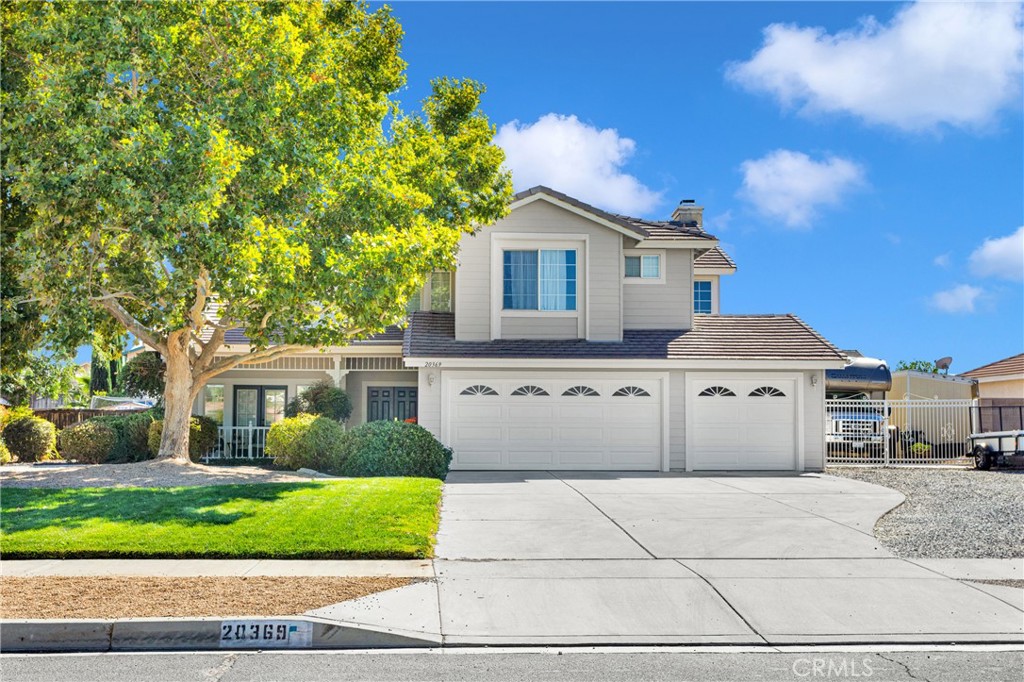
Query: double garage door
{"type": "Point", "coordinates": [533, 422]}
{"type": "Point", "coordinates": [616, 422]}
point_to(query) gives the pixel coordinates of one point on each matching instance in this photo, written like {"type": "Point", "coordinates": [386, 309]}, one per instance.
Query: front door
{"type": "Point", "coordinates": [390, 402]}
{"type": "Point", "coordinates": [255, 406]}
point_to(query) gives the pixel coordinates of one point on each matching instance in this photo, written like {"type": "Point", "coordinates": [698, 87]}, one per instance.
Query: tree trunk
{"type": "Point", "coordinates": [178, 397]}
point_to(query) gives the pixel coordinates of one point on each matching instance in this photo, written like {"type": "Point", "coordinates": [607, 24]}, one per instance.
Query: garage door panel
{"type": "Point", "coordinates": [480, 457]}
{"type": "Point", "coordinates": [742, 431]}
{"type": "Point", "coordinates": [577, 430]}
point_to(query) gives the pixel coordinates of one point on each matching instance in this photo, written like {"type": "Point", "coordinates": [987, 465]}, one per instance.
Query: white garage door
{"type": "Point", "coordinates": [741, 424]}
{"type": "Point", "coordinates": [532, 422]}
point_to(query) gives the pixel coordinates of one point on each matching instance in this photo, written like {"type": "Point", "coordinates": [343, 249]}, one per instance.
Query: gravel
{"type": "Point", "coordinates": [950, 513]}
{"type": "Point", "coordinates": [152, 474]}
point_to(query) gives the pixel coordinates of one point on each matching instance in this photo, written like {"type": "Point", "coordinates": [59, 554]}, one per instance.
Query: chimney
{"type": "Point", "coordinates": [689, 212]}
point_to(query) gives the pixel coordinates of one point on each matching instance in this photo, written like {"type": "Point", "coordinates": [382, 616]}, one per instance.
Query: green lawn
{"type": "Point", "coordinates": [365, 518]}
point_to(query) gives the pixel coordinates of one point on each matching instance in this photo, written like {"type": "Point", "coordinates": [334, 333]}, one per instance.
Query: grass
{"type": "Point", "coordinates": [365, 518]}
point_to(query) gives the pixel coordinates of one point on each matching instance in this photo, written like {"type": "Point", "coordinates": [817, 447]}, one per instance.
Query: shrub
{"type": "Point", "coordinates": [306, 441]}
{"type": "Point", "coordinates": [131, 433]}
{"type": "Point", "coordinates": [10, 415]}
{"type": "Point", "coordinates": [5, 454]}
{"type": "Point", "coordinates": [322, 398]}
{"type": "Point", "coordinates": [392, 448]}
{"type": "Point", "coordinates": [31, 439]}
{"type": "Point", "coordinates": [202, 436]}
{"type": "Point", "coordinates": [143, 375]}
{"type": "Point", "coordinates": [920, 449]}
{"type": "Point", "coordinates": [90, 441]}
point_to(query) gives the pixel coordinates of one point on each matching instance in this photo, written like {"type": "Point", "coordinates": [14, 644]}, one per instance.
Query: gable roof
{"type": "Point", "coordinates": [713, 337]}
{"type": "Point", "coordinates": [1011, 365]}
{"type": "Point", "coordinates": [640, 228]}
{"type": "Point", "coordinates": [716, 259]}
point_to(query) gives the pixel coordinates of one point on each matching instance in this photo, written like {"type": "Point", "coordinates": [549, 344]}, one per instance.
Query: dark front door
{"type": "Point", "coordinates": [390, 402]}
{"type": "Point", "coordinates": [255, 406]}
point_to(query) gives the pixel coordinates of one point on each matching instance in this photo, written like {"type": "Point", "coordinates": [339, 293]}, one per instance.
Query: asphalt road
{"type": "Point", "coordinates": [984, 664]}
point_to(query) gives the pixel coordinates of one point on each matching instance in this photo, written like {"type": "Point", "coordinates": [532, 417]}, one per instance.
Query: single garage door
{"type": "Point", "coordinates": [741, 423]}
{"type": "Point", "coordinates": [533, 422]}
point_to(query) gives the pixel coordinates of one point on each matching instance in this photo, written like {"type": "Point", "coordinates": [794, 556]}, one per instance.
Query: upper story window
{"type": "Point", "coordinates": [643, 267]}
{"type": "Point", "coordinates": [701, 296]}
{"type": "Point", "coordinates": [539, 279]}
{"type": "Point", "coordinates": [435, 295]}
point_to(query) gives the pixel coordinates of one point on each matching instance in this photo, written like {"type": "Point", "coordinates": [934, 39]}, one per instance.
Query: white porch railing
{"type": "Point", "coordinates": [239, 442]}
{"type": "Point", "coordinates": [892, 432]}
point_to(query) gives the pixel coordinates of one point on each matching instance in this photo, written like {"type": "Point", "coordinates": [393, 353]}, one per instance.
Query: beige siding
{"type": "Point", "coordinates": [662, 306]}
{"type": "Point", "coordinates": [538, 328]}
{"type": "Point", "coordinates": [598, 278]}
{"type": "Point", "coordinates": [357, 382]}
{"type": "Point", "coordinates": [814, 421]}
{"type": "Point", "coordinates": [677, 419]}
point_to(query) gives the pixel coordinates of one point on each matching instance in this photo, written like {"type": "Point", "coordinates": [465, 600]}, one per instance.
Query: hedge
{"type": "Point", "coordinates": [31, 439]}
{"type": "Point", "coordinates": [393, 448]}
{"type": "Point", "coordinates": [306, 441]}
{"type": "Point", "coordinates": [90, 441]}
{"type": "Point", "coordinates": [131, 432]}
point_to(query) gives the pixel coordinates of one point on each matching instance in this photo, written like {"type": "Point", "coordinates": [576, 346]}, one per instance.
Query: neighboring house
{"type": "Point", "coordinates": [567, 338]}
{"type": "Point", "coordinates": [1001, 379]}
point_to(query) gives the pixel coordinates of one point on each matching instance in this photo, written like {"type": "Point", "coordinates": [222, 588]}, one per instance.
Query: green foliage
{"type": "Point", "coordinates": [917, 366]}
{"type": "Point", "coordinates": [31, 439]}
{"type": "Point", "coordinates": [308, 441]}
{"type": "Point", "coordinates": [393, 448]}
{"type": "Point", "coordinates": [322, 398]}
{"type": "Point", "coordinates": [46, 376]}
{"type": "Point", "coordinates": [5, 454]}
{"type": "Point", "coordinates": [90, 442]}
{"type": "Point", "coordinates": [202, 436]}
{"type": "Point", "coordinates": [131, 433]}
{"type": "Point", "coordinates": [394, 518]}
{"type": "Point", "coordinates": [143, 375]}
{"type": "Point", "coordinates": [920, 449]}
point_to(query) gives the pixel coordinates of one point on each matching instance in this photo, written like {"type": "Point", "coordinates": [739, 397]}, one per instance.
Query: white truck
{"type": "Point", "coordinates": [852, 427]}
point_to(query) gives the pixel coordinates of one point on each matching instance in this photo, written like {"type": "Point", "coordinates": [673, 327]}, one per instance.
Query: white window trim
{"type": "Point", "coordinates": [714, 294]}
{"type": "Point", "coordinates": [518, 241]}
{"type": "Point", "coordinates": [529, 312]}
{"type": "Point", "coordinates": [662, 266]}
{"type": "Point", "coordinates": [425, 292]}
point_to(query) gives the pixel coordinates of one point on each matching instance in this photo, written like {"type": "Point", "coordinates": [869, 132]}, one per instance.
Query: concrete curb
{"type": "Point", "coordinates": [173, 634]}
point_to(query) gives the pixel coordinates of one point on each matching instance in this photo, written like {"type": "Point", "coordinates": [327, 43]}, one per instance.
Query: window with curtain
{"type": "Point", "coordinates": [542, 279]}
{"type": "Point", "coordinates": [701, 297]}
{"type": "Point", "coordinates": [643, 267]}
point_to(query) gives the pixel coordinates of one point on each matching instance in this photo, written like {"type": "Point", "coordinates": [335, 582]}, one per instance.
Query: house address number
{"type": "Point", "coordinates": [432, 363]}
{"type": "Point", "coordinates": [265, 633]}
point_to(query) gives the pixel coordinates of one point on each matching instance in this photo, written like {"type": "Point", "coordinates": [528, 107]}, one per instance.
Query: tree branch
{"type": "Point", "coordinates": [209, 351]}
{"type": "Point", "coordinates": [142, 332]}
{"type": "Point", "coordinates": [195, 313]}
{"type": "Point", "coordinates": [263, 355]}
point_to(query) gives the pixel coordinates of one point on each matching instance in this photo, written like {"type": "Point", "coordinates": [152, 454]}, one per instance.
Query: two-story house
{"type": "Point", "coordinates": [572, 338]}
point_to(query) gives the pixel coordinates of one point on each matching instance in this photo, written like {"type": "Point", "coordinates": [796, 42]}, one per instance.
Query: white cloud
{"type": "Point", "coordinates": [572, 157]}
{"type": "Point", "coordinates": [959, 299]}
{"type": "Point", "coordinates": [942, 260]}
{"type": "Point", "coordinates": [1002, 257]}
{"type": "Point", "coordinates": [791, 186]}
{"type": "Point", "coordinates": [893, 238]}
{"type": "Point", "coordinates": [934, 63]}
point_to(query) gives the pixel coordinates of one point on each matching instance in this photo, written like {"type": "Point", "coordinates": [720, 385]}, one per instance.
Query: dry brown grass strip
{"type": "Point", "coordinates": [135, 597]}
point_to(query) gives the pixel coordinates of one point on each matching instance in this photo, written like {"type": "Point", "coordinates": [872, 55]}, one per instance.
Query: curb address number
{"type": "Point", "coordinates": [265, 633]}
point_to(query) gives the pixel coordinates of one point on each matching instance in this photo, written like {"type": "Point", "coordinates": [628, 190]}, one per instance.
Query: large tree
{"type": "Point", "coordinates": [190, 167]}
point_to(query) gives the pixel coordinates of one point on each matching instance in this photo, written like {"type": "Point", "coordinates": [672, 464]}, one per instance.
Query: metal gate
{"type": "Point", "coordinates": [893, 432]}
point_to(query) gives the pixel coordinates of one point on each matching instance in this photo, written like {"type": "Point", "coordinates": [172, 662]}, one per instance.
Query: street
{"type": "Point", "coordinates": [962, 664]}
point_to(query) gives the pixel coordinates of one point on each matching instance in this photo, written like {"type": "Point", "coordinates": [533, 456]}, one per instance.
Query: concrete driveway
{"type": "Point", "coordinates": [635, 558]}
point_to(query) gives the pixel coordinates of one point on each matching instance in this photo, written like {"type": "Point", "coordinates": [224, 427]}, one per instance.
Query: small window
{"type": "Point", "coordinates": [701, 296]}
{"type": "Point", "coordinates": [634, 391]}
{"type": "Point", "coordinates": [767, 392]}
{"type": "Point", "coordinates": [478, 389]}
{"type": "Point", "coordinates": [435, 294]}
{"type": "Point", "coordinates": [530, 390]}
{"type": "Point", "coordinates": [581, 390]}
{"type": "Point", "coordinates": [213, 402]}
{"type": "Point", "coordinates": [721, 391]}
{"type": "Point", "coordinates": [643, 267]}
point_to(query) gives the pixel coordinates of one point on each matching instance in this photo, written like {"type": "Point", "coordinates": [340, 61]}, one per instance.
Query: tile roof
{"type": "Point", "coordinates": [715, 258]}
{"type": "Point", "coordinates": [713, 337]}
{"type": "Point", "coordinates": [1011, 365]}
{"type": "Point", "coordinates": [656, 230]}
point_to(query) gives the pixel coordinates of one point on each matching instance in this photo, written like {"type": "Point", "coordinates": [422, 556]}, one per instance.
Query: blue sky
{"type": "Point", "coordinates": [865, 173]}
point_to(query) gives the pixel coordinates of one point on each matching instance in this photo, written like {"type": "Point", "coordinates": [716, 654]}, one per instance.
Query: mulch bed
{"type": "Point", "coordinates": [135, 597]}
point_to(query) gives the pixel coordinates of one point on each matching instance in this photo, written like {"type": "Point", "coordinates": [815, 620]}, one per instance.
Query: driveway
{"type": "Point", "coordinates": [552, 558]}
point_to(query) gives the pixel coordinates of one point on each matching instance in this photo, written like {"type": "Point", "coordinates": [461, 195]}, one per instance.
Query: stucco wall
{"type": "Point", "coordinates": [1013, 388]}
